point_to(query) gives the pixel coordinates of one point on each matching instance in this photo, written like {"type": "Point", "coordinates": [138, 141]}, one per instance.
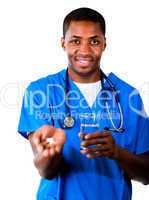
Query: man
{"type": "Point", "coordinates": [73, 163]}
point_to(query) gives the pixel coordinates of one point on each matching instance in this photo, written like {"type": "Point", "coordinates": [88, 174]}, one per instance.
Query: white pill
{"type": "Point", "coordinates": [50, 140]}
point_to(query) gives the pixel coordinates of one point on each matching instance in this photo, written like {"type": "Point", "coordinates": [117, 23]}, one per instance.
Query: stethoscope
{"type": "Point", "coordinates": [119, 128]}
{"type": "Point", "coordinates": [69, 121]}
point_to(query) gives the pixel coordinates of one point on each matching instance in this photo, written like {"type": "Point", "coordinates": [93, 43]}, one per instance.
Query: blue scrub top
{"type": "Point", "coordinates": [85, 179]}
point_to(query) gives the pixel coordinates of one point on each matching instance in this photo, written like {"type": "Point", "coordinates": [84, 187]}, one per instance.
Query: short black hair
{"type": "Point", "coordinates": [84, 14]}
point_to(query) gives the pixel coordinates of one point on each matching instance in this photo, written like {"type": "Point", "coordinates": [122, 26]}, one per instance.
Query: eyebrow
{"type": "Point", "coordinates": [92, 37]}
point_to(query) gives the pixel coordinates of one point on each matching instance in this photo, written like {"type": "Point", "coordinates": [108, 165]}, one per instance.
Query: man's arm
{"type": "Point", "coordinates": [47, 156]}
{"type": "Point", "coordinates": [135, 167]}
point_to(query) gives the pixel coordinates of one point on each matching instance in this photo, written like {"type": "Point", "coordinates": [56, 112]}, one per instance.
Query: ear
{"type": "Point", "coordinates": [105, 44]}
{"type": "Point", "coordinates": [63, 43]}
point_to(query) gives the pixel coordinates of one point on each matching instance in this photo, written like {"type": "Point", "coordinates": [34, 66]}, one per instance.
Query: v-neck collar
{"type": "Point", "coordinates": [73, 86]}
{"type": "Point", "coordinates": [83, 108]}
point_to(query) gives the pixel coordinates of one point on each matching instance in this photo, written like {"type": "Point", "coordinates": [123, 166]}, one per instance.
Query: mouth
{"type": "Point", "coordinates": [84, 61]}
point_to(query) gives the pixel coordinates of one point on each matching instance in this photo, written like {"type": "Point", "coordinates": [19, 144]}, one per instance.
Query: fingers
{"type": "Point", "coordinates": [97, 135]}
{"type": "Point", "coordinates": [53, 146]}
{"type": "Point", "coordinates": [98, 144]}
{"type": "Point", "coordinates": [98, 154]}
{"type": "Point", "coordinates": [47, 143]}
{"type": "Point", "coordinates": [35, 143]}
{"type": "Point", "coordinates": [82, 136]}
{"type": "Point", "coordinates": [58, 140]}
{"type": "Point", "coordinates": [38, 137]}
{"type": "Point", "coordinates": [45, 132]}
{"type": "Point", "coordinates": [97, 151]}
{"type": "Point", "coordinates": [86, 143]}
{"type": "Point", "coordinates": [96, 138]}
{"type": "Point", "coordinates": [43, 159]}
{"type": "Point", "coordinates": [45, 135]}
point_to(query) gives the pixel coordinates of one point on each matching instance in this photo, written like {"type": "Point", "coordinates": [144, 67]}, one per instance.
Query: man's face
{"type": "Point", "coordinates": [84, 43]}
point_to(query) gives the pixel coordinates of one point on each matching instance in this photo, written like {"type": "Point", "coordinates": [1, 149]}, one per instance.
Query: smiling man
{"type": "Point", "coordinates": [84, 46]}
{"type": "Point", "coordinates": [80, 154]}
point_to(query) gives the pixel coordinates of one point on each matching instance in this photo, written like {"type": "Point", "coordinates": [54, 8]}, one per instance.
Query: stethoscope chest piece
{"type": "Point", "coordinates": [69, 122]}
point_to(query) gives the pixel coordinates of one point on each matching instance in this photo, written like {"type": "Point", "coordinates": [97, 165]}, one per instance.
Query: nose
{"type": "Point", "coordinates": [84, 48]}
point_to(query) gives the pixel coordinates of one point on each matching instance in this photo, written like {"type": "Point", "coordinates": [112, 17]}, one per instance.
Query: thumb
{"type": "Point", "coordinates": [46, 131]}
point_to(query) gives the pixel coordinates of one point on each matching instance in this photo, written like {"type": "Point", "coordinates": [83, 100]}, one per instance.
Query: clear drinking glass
{"type": "Point", "coordinates": [88, 128]}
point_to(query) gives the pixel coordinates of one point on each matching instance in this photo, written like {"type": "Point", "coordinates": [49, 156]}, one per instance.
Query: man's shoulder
{"type": "Point", "coordinates": [120, 83]}
{"type": "Point", "coordinates": [46, 80]}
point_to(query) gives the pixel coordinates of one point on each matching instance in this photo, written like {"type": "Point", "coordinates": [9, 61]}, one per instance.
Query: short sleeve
{"type": "Point", "coordinates": [142, 130]}
{"type": "Point", "coordinates": [35, 110]}
{"type": "Point", "coordinates": [142, 144]}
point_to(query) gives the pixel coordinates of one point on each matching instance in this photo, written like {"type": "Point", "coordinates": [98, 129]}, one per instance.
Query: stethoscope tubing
{"type": "Point", "coordinates": [114, 91]}
{"type": "Point", "coordinates": [70, 120]}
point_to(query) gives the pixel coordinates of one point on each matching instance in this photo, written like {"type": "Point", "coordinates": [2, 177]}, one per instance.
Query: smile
{"type": "Point", "coordinates": [84, 61]}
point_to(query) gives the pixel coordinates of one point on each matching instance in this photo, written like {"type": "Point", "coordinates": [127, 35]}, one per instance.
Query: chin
{"type": "Point", "coordinates": [83, 70]}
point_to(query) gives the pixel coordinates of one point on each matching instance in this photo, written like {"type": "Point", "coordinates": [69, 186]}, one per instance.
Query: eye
{"type": "Point", "coordinates": [75, 41]}
{"type": "Point", "coordinates": [95, 42]}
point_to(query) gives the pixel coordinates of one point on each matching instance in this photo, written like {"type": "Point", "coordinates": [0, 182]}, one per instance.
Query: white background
{"type": "Point", "coordinates": [30, 32]}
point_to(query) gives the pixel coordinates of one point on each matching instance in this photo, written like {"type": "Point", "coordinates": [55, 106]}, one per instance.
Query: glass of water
{"type": "Point", "coordinates": [88, 128]}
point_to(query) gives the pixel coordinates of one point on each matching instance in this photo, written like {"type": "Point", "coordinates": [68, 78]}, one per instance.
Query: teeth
{"type": "Point", "coordinates": [83, 61]}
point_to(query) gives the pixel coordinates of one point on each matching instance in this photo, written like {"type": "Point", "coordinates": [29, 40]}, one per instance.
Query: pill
{"type": "Point", "coordinates": [50, 140]}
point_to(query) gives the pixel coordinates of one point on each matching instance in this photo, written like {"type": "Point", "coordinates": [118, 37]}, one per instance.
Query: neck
{"type": "Point", "coordinates": [84, 78]}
